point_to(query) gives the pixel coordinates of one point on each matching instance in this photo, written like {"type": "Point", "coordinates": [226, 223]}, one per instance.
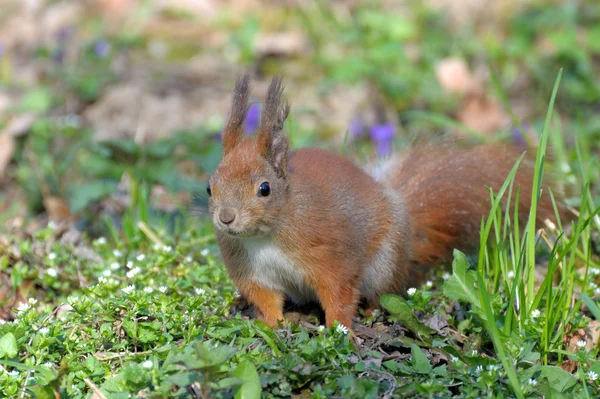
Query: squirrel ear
{"type": "Point", "coordinates": [234, 128]}
{"type": "Point", "coordinates": [272, 143]}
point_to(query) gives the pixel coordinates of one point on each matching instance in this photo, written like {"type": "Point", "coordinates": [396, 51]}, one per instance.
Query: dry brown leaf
{"type": "Point", "coordinates": [482, 114]}
{"type": "Point", "coordinates": [570, 366]}
{"type": "Point", "coordinates": [116, 8]}
{"type": "Point", "coordinates": [590, 335]}
{"type": "Point", "coordinates": [455, 77]}
{"type": "Point", "coordinates": [57, 208]}
{"type": "Point", "coordinates": [20, 124]}
{"type": "Point", "coordinates": [7, 148]}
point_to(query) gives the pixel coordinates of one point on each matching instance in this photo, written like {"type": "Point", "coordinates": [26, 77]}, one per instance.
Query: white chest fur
{"type": "Point", "coordinates": [272, 269]}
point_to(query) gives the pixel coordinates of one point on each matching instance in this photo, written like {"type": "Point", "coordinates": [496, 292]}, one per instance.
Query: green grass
{"type": "Point", "coordinates": [140, 305]}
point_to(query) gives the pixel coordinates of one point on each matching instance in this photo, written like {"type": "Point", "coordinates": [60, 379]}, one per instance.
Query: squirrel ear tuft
{"type": "Point", "coordinates": [233, 132]}
{"type": "Point", "coordinates": [272, 143]}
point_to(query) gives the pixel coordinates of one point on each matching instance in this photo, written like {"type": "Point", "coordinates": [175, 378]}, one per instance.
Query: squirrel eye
{"type": "Point", "coordinates": [208, 190]}
{"type": "Point", "coordinates": [264, 189]}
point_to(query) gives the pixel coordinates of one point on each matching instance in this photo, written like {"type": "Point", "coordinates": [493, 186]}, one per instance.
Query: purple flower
{"type": "Point", "coordinates": [102, 48]}
{"type": "Point", "coordinates": [356, 128]}
{"type": "Point", "coordinates": [252, 118]}
{"type": "Point", "coordinates": [64, 33]}
{"type": "Point", "coordinates": [517, 135]}
{"type": "Point", "coordinates": [383, 136]}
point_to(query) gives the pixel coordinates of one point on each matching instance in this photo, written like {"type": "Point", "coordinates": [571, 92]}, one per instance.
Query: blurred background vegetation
{"type": "Point", "coordinates": [106, 104]}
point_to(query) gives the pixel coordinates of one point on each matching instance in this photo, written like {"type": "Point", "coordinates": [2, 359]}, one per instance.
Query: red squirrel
{"type": "Point", "coordinates": [312, 226]}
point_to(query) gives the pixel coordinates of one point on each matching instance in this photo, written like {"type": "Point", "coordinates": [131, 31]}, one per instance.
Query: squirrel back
{"type": "Point", "coordinates": [445, 192]}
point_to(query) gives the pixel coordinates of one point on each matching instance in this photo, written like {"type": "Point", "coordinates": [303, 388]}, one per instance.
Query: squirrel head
{"type": "Point", "coordinates": [248, 190]}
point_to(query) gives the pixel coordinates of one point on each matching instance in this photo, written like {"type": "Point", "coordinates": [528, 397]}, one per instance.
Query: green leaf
{"type": "Point", "coordinates": [39, 99]}
{"type": "Point", "coordinates": [592, 306]}
{"type": "Point", "coordinates": [462, 285]}
{"type": "Point", "coordinates": [8, 346]}
{"type": "Point", "coordinates": [84, 194]}
{"type": "Point", "coordinates": [419, 360]}
{"type": "Point", "coordinates": [400, 309]}
{"type": "Point", "coordinates": [250, 387]}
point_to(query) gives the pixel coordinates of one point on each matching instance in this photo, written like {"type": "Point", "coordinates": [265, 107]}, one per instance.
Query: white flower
{"type": "Point", "coordinates": [597, 291]}
{"type": "Point", "coordinates": [581, 344]}
{"type": "Point", "coordinates": [141, 257]}
{"type": "Point", "coordinates": [13, 373]}
{"type": "Point", "coordinates": [510, 274]}
{"type": "Point", "coordinates": [148, 290]}
{"type": "Point", "coordinates": [102, 280]}
{"type": "Point", "coordinates": [592, 376]}
{"type": "Point", "coordinates": [535, 313]}
{"type": "Point", "coordinates": [101, 240]}
{"type": "Point", "coordinates": [200, 291]}
{"type": "Point", "coordinates": [532, 382]}
{"type": "Point", "coordinates": [156, 247]}
{"type": "Point", "coordinates": [23, 307]}
{"type": "Point", "coordinates": [51, 272]}
{"type": "Point", "coordinates": [429, 284]}
{"type": "Point", "coordinates": [205, 252]}
{"type": "Point", "coordinates": [474, 352]}
{"type": "Point", "coordinates": [128, 289]}
{"type": "Point", "coordinates": [15, 320]}
{"type": "Point", "coordinates": [188, 259]}
{"type": "Point", "coordinates": [411, 291]}
{"type": "Point", "coordinates": [162, 289]}
{"type": "Point", "coordinates": [321, 329]}
{"type": "Point", "coordinates": [446, 276]}
{"type": "Point", "coordinates": [492, 367]}
{"type": "Point", "coordinates": [454, 359]}
{"type": "Point", "coordinates": [129, 264]}
{"type": "Point", "coordinates": [479, 369]}
{"type": "Point", "coordinates": [117, 253]}
{"type": "Point", "coordinates": [115, 265]}
{"type": "Point", "coordinates": [51, 256]}
{"type": "Point", "coordinates": [167, 248]}
{"type": "Point", "coordinates": [44, 330]}
{"type": "Point", "coordinates": [49, 365]}
{"type": "Point", "coordinates": [2, 321]}
{"type": "Point", "coordinates": [341, 329]}
{"type": "Point", "coordinates": [595, 271]}
{"type": "Point", "coordinates": [107, 273]}
{"type": "Point", "coordinates": [133, 272]}
{"type": "Point", "coordinates": [32, 301]}
{"type": "Point", "coordinates": [147, 364]}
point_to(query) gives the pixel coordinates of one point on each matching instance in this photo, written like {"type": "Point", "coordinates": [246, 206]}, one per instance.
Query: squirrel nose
{"type": "Point", "coordinates": [227, 215]}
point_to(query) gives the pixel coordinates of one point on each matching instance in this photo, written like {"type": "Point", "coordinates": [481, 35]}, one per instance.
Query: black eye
{"type": "Point", "coordinates": [264, 189]}
{"type": "Point", "coordinates": [208, 191]}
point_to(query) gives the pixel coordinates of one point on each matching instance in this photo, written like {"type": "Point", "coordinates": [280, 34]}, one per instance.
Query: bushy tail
{"type": "Point", "coordinates": [444, 188]}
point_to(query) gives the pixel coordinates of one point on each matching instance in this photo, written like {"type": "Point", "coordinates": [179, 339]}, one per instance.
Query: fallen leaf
{"type": "Point", "coordinates": [57, 208]}
{"type": "Point", "coordinates": [481, 114]}
{"type": "Point", "coordinates": [455, 77]}
{"type": "Point", "coordinates": [7, 148]}
{"type": "Point", "coordinates": [590, 335]}
{"type": "Point", "coordinates": [570, 366]}
{"type": "Point", "coordinates": [20, 124]}
{"type": "Point", "coordinates": [439, 323]}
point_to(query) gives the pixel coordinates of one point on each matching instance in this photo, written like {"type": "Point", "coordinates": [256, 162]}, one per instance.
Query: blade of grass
{"type": "Point", "coordinates": [535, 196]}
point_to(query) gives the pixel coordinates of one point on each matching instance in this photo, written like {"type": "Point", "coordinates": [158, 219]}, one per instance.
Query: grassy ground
{"type": "Point", "coordinates": [111, 285]}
